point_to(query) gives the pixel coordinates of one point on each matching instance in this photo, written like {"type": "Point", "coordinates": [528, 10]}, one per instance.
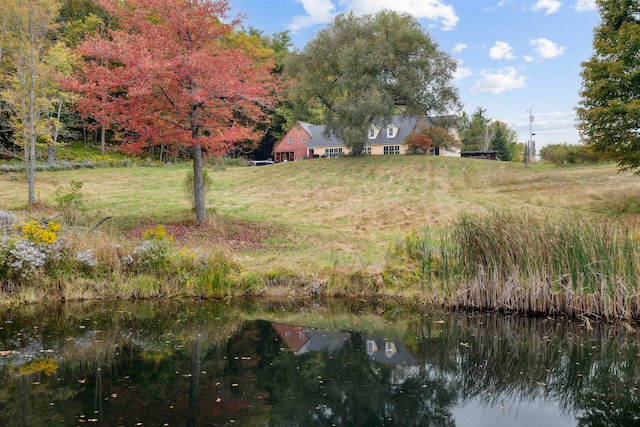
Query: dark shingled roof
{"type": "Point", "coordinates": [405, 126]}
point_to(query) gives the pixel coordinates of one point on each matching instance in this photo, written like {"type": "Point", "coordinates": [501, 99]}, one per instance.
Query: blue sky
{"type": "Point", "coordinates": [513, 55]}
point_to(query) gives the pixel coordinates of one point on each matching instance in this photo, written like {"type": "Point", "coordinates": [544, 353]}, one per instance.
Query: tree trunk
{"type": "Point", "coordinates": [26, 74]}
{"type": "Point", "coordinates": [51, 152]}
{"type": "Point", "coordinates": [102, 140]}
{"type": "Point", "coordinates": [198, 186]}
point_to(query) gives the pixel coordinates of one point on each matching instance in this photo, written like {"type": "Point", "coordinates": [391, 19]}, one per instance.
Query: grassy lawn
{"type": "Point", "coordinates": [311, 215]}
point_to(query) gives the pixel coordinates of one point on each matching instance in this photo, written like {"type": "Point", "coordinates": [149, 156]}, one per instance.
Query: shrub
{"type": "Point", "coordinates": [25, 254]}
{"type": "Point", "coordinates": [562, 154]}
{"type": "Point", "coordinates": [7, 221]}
{"type": "Point", "coordinates": [70, 202]}
{"type": "Point", "coordinates": [188, 185]}
{"type": "Point", "coordinates": [154, 253]}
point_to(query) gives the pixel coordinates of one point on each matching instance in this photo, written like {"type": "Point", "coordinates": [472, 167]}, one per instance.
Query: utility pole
{"type": "Point", "coordinates": [529, 145]}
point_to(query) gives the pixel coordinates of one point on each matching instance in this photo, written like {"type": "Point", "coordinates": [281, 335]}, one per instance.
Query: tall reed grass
{"type": "Point", "coordinates": [522, 261]}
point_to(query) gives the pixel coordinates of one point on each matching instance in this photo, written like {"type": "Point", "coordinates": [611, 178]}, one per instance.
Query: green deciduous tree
{"type": "Point", "coordinates": [363, 69]}
{"type": "Point", "coordinates": [609, 111]}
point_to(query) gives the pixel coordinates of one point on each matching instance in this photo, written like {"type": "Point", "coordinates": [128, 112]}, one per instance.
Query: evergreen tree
{"type": "Point", "coordinates": [609, 111]}
{"type": "Point", "coordinates": [503, 141]}
{"type": "Point", "coordinates": [476, 134]}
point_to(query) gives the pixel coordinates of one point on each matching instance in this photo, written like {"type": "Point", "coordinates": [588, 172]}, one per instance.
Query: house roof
{"type": "Point", "coordinates": [320, 340]}
{"type": "Point", "coordinates": [404, 124]}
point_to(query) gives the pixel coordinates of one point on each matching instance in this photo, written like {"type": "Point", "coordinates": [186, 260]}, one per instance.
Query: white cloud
{"type": "Point", "coordinates": [551, 6]}
{"type": "Point", "coordinates": [435, 10]}
{"type": "Point", "coordinates": [556, 114]}
{"type": "Point", "coordinates": [505, 79]}
{"type": "Point", "coordinates": [546, 49]}
{"type": "Point", "coordinates": [584, 5]}
{"type": "Point", "coordinates": [459, 47]}
{"type": "Point", "coordinates": [461, 72]}
{"type": "Point", "coordinates": [501, 50]}
{"type": "Point", "coordinates": [528, 58]}
{"type": "Point", "coordinates": [318, 12]}
{"type": "Point", "coordinates": [322, 11]}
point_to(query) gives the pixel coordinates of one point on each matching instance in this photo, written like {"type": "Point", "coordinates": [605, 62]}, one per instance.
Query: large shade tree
{"type": "Point", "coordinates": [609, 110]}
{"type": "Point", "coordinates": [170, 74]}
{"type": "Point", "coordinates": [364, 69]}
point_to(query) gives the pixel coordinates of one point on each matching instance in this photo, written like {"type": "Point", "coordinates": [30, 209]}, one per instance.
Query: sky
{"type": "Point", "coordinates": [514, 56]}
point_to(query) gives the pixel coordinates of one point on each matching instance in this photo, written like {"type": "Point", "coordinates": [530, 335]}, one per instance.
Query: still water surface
{"type": "Point", "coordinates": [282, 363]}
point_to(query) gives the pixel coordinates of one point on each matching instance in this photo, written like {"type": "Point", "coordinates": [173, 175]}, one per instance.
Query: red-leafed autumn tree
{"type": "Point", "coordinates": [169, 73]}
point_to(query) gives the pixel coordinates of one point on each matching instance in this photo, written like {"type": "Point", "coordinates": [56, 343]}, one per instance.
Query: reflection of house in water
{"type": "Point", "coordinates": [302, 340]}
{"type": "Point", "coordinates": [387, 351]}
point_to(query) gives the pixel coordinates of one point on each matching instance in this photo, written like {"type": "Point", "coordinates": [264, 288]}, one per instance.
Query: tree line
{"type": "Point", "coordinates": [184, 76]}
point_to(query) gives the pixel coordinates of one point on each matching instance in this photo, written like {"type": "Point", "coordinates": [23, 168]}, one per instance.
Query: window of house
{"type": "Point", "coordinates": [371, 346]}
{"type": "Point", "coordinates": [366, 149]}
{"type": "Point", "coordinates": [389, 347]}
{"type": "Point", "coordinates": [391, 149]}
{"type": "Point", "coordinates": [391, 132]}
{"type": "Point", "coordinates": [333, 152]}
{"type": "Point", "coordinates": [290, 141]}
{"type": "Point", "coordinates": [372, 133]}
{"type": "Point", "coordinates": [287, 334]}
{"type": "Point", "coordinates": [301, 335]}
{"type": "Point", "coordinates": [303, 139]}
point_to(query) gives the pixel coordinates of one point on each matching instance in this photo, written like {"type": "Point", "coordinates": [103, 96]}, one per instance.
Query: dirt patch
{"type": "Point", "coordinates": [235, 235]}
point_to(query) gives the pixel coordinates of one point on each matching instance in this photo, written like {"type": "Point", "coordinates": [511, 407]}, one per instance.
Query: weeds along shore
{"type": "Point", "coordinates": [497, 260]}
{"type": "Point", "coordinates": [521, 261]}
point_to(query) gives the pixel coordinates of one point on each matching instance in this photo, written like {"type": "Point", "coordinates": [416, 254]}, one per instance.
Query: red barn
{"type": "Point", "coordinates": [293, 146]}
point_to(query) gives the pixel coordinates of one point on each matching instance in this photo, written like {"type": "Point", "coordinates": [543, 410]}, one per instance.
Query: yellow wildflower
{"type": "Point", "coordinates": [54, 226]}
{"type": "Point", "coordinates": [158, 233]}
{"type": "Point", "coordinates": [33, 230]}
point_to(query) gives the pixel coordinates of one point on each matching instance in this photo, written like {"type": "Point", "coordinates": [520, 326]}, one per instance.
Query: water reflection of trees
{"type": "Point", "coordinates": [114, 361]}
{"type": "Point", "coordinates": [348, 388]}
{"type": "Point", "coordinates": [592, 372]}
{"type": "Point", "coordinates": [207, 364]}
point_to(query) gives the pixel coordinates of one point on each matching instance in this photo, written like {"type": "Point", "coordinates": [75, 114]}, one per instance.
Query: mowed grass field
{"type": "Point", "coordinates": [311, 215]}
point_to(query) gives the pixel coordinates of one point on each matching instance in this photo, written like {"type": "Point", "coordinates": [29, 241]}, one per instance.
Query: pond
{"type": "Point", "coordinates": [312, 363]}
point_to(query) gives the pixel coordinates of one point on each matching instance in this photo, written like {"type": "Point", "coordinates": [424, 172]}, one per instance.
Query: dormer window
{"type": "Point", "coordinates": [391, 132]}
{"type": "Point", "coordinates": [372, 133]}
